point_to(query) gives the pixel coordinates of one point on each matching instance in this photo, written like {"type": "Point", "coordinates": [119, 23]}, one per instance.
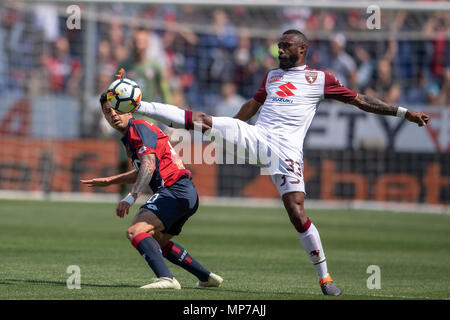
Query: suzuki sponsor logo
{"type": "Point", "coordinates": [282, 100]}
{"type": "Point", "coordinates": [286, 90]}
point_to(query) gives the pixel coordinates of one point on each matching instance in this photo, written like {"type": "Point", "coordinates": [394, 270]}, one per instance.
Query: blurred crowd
{"type": "Point", "coordinates": [212, 59]}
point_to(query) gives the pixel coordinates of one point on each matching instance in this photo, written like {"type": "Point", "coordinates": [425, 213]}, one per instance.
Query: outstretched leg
{"type": "Point", "coordinates": [176, 117]}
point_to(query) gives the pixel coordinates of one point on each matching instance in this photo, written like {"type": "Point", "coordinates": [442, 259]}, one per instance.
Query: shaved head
{"type": "Point", "coordinates": [299, 37]}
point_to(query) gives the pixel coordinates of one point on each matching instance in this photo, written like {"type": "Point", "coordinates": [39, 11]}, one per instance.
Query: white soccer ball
{"type": "Point", "coordinates": [124, 95]}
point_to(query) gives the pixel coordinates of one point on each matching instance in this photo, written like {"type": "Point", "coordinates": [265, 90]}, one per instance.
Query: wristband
{"type": "Point", "coordinates": [129, 198]}
{"type": "Point", "coordinates": [401, 112]}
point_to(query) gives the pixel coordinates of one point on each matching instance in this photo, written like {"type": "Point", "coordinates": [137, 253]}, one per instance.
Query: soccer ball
{"type": "Point", "coordinates": [124, 95]}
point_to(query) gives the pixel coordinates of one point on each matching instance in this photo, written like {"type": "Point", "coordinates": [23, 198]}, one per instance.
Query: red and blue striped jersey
{"type": "Point", "coordinates": [144, 137]}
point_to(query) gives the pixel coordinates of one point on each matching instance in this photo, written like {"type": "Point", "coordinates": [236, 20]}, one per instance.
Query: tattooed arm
{"type": "Point", "coordinates": [375, 105]}
{"type": "Point", "coordinates": [145, 173]}
{"type": "Point", "coordinates": [148, 166]}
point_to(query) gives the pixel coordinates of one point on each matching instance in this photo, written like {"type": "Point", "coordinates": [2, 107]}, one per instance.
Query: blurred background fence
{"type": "Point", "coordinates": [56, 57]}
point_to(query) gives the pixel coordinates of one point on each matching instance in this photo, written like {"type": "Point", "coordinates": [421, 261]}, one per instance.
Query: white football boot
{"type": "Point", "coordinates": [214, 280]}
{"type": "Point", "coordinates": [163, 283]}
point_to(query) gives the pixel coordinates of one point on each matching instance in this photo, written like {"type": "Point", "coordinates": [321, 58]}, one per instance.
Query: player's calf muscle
{"type": "Point", "coordinates": [294, 205]}
{"type": "Point", "coordinates": [162, 238]}
{"type": "Point", "coordinates": [295, 217]}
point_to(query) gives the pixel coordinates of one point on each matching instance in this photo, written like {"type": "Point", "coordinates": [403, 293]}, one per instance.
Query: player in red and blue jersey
{"type": "Point", "coordinates": [174, 200]}
{"type": "Point", "coordinates": [144, 138]}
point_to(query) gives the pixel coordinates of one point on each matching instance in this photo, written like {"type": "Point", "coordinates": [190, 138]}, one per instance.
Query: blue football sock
{"type": "Point", "coordinates": [149, 248]}
{"type": "Point", "coordinates": [179, 256]}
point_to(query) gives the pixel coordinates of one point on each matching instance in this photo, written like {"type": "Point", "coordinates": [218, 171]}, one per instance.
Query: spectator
{"type": "Point", "coordinates": [427, 91]}
{"type": "Point", "coordinates": [444, 96]}
{"type": "Point", "coordinates": [4, 59]}
{"type": "Point", "coordinates": [342, 64]}
{"type": "Point", "coordinates": [264, 54]}
{"type": "Point", "coordinates": [105, 55]}
{"type": "Point", "coordinates": [355, 21]}
{"type": "Point", "coordinates": [215, 60]}
{"type": "Point", "coordinates": [437, 27]}
{"type": "Point", "coordinates": [93, 124]}
{"type": "Point", "coordinates": [328, 21]}
{"type": "Point", "coordinates": [17, 45]}
{"type": "Point", "coordinates": [64, 71]}
{"type": "Point", "coordinates": [245, 63]}
{"type": "Point", "coordinates": [231, 102]}
{"type": "Point", "coordinates": [149, 74]}
{"type": "Point", "coordinates": [224, 31]}
{"type": "Point", "coordinates": [403, 51]}
{"type": "Point", "coordinates": [116, 40]}
{"type": "Point", "coordinates": [46, 18]}
{"type": "Point", "coordinates": [432, 93]}
{"type": "Point", "coordinates": [416, 94]}
{"type": "Point", "coordinates": [242, 54]}
{"type": "Point", "coordinates": [384, 86]}
{"type": "Point", "coordinates": [179, 45]}
{"type": "Point", "coordinates": [295, 18]}
{"type": "Point", "coordinates": [436, 95]}
{"type": "Point", "coordinates": [365, 68]}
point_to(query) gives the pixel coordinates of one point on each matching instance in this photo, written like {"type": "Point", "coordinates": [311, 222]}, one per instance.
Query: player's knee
{"type": "Point", "coordinates": [134, 230]}
{"type": "Point", "coordinates": [130, 234]}
{"type": "Point", "coordinates": [295, 208]}
{"type": "Point", "coordinates": [293, 201]}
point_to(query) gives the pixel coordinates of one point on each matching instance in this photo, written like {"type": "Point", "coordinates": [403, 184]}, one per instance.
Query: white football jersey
{"type": "Point", "coordinates": [290, 99]}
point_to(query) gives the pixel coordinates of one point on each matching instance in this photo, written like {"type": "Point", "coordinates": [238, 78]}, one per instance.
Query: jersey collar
{"type": "Point", "coordinates": [299, 68]}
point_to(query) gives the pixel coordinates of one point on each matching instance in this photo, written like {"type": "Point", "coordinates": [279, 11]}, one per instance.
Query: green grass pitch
{"type": "Point", "coordinates": [256, 250]}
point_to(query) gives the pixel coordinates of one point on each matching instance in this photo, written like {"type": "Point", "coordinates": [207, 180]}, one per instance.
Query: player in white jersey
{"type": "Point", "coordinates": [287, 100]}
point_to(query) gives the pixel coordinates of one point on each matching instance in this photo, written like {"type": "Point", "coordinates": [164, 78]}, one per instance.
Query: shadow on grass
{"type": "Point", "coordinates": [243, 291]}
{"type": "Point", "coordinates": [9, 281]}
{"type": "Point", "coordinates": [63, 283]}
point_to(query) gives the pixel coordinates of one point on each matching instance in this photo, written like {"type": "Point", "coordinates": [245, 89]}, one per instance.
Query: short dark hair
{"type": "Point", "coordinates": [300, 34]}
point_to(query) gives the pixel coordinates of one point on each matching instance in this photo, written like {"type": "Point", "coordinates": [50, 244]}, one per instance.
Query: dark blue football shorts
{"type": "Point", "coordinates": [174, 205]}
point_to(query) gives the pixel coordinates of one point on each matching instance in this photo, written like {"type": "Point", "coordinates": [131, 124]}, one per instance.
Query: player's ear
{"type": "Point", "coordinates": [103, 98]}
{"type": "Point", "coordinates": [302, 49]}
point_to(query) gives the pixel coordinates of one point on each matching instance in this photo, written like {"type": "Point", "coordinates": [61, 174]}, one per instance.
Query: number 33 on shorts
{"type": "Point", "coordinates": [288, 183]}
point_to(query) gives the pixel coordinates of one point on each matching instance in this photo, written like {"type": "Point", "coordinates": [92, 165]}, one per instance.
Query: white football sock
{"type": "Point", "coordinates": [166, 113]}
{"type": "Point", "coordinates": [310, 241]}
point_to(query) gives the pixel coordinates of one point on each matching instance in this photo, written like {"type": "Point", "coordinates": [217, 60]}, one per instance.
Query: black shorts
{"type": "Point", "coordinates": [173, 205]}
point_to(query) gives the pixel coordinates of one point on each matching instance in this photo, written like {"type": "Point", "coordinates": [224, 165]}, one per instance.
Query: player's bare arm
{"type": "Point", "coordinates": [123, 178]}
{"type": "Point", "coordinates": [146, 169]}
{"type": "Point", "coordinates": [375, 105]}
{"type": "Point", "coordinates": [248, 110]}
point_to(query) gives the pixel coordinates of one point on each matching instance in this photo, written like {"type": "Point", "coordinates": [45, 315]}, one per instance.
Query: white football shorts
{"type": "Point", "coordinates": [257, 146]}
